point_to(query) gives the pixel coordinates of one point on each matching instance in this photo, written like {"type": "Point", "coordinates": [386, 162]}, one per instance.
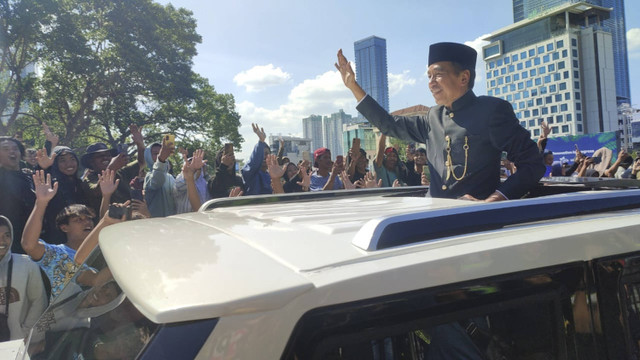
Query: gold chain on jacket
{"type": "Point", "coordinates": [449, 162]}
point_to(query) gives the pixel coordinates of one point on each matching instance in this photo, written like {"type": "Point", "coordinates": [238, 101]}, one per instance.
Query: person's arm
{"type": "Point", "coordinates": [51, 139]}
{"type": "Point", "coordinates": [280, 151]}
{"type": "Point", "coordinates": [252, 167]}
{"type": "Point", "coordinates": [108, 185]}
{"type": "Point", "coordinates": [382, 143]}
{"type": "Point", "coordinates": [542, 140]}
{"type": "Point", "coordinates": [610, 172]}
{"type": "Point", "coordinates": [349, 77]}
{"type": "Point", "coordinates": [160, 167]}
{"type": "Point", "coordinates": [507, 135]}
{"type": "Point", "coordinates": [188, 172]}
{"type": "Point", "coordinates": [138, 139]}
{"type": "Point", "coordinates": [31, 234]}
{"type": "Point", "coordinates": [635, 169]}
{"type": "Point", "coordinates": [583, 167]}
{"type": "Point", "coordinates": [275, 172]}
{"type": "Point", "coordinates": [335, 170]}
{"type": "Point", "coordinates": [91, 241]}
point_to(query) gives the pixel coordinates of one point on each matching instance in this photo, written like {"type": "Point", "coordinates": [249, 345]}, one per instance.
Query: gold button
{"type": "Point", "coordinates": [446, 137]}
{"type": "Point", "coordinates": [446, 163]}
{"type": "Point", "coordinates": [450, 114]}
{"type": "Point", "coordinates": [444, 187]}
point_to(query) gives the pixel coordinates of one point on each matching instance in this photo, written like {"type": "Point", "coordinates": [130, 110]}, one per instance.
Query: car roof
{"type": "Point", "coordinates": [245, 257]}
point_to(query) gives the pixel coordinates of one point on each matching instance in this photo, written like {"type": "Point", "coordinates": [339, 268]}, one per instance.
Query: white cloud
{"type": "Point", "coordinates": [323, 95]}
{"type": "Point", "coordinates": [399, 81]}
{"type": "Point", "coordinates": [633, 39]}
{"type": "Point", "coordinates": [261, 77]}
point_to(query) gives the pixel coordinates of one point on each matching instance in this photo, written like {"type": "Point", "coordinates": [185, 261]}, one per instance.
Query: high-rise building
{"type": "Point", "coordinates": [332, 131]}
{"type": "Point", "coordinates": [312, 129]}
{"type": "Point", "coordinates": [294, 147]}
{"type": "Point", "coordinates": [371, 68]}
{"type": "Point", "coordinates": [526, 9]}
{"type": "Point", "coordinates": [552, 68]}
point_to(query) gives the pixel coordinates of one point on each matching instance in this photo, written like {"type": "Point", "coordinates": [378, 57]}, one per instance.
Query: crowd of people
{"type": "Point", "coordinates": [55, 200]}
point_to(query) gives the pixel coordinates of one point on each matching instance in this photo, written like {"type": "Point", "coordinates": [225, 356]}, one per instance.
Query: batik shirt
{"type": "Point", "coordinates": [57, 262]}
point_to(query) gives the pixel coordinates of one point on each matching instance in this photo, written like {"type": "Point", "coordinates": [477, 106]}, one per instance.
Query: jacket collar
{"type": "Point", "coordinates": [462, 102]}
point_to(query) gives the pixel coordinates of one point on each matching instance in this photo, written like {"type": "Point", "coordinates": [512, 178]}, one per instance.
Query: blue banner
{"type": "Point", "coordinates": [564, 149]}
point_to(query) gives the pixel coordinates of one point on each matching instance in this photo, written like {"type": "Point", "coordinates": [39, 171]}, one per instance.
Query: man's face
{"type": "Point", "coordinates": [391, 160]}
{"type": "Point", "coordinates": [324, 161]}
{"type": "Point", "coordinates": [155, 150]}
{"type": "Point", "coordinates": [30, 158]}
{"type": "Point", "coordinates": [420, 158]}
{"type": "Point", "coordinates": [78, 227]}
{"type": "Point", "coordinates": [5, 240]}
{"type": "Point", "coordinates": [9, 155]}
{"type": "Point", "coordinates": [67, 164]}
{"type": "Point", "coordinates": [100, 161]}
{"type": "Point", "coordinates": [445, 85]}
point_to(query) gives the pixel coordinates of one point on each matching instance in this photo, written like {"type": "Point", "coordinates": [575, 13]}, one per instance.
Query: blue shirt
{"type": "Point", "coordinates": [318, 182]}
{"type": "Point", "coordinates": [57, 262]}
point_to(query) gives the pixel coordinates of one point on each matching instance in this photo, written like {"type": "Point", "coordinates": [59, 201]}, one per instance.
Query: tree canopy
{"type": "Point", "coordinates": [102, 65]}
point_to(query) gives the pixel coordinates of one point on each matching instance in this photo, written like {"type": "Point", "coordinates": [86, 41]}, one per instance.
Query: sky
{"type": "Point", "coordinates": [277, 57]}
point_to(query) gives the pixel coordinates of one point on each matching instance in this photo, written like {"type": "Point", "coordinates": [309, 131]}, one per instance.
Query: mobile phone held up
{"type": "Point", "coordinates": [117, 212]}
{"type": "Point", "coordinates": [122, 149]}
{"type": "Point", "coordinates": [169, 139]}
{"type": "Point", "coordinates": [228, 149]}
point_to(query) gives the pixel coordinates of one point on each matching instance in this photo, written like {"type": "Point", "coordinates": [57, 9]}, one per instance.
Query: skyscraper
{"type": "Point", "coordinates": [312, 129]}
{"type": "Point", "coordinates": [552, 68]}
{"type": "Point", "coordinates": [371, 68]}
{"type": "Point", "coordinates": [524, 9]}
{"type": "Point", "coordinates": [332, 131]}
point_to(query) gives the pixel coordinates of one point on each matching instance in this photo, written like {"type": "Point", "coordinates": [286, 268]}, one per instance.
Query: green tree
{"type": "Point", "coordinates": [107, 64]}
{"type": "Point", "coordinates": [23, 24]}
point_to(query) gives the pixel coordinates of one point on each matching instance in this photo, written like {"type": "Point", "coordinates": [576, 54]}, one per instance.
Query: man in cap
{"type": "Point", "coordinates": [326, 175]}
{"type": "Point", "coordinates": [100, 157]}
{"type": "Point", "coordinates": [465, 134]}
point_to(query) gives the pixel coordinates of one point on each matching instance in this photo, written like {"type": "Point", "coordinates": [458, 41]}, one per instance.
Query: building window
{"type": "Point", "coordinates": [559, 118]}
{"type": "Point", "coordinates": [578, 106]}
{"type": "Point", "coordinates": [555, 55]}
{"type": "Point", "coordinates": [545, 110]}
{"type": "Point", "coordinates": [493, 83]}
{"type": "Point", "coordinates": [523, 124]}
{"type": "Point", "coordinates": [512, 87]}
{"type": "Point", "coordinates": [512, 68]}
{"type": "Point", "coordinates": [565, 75]}
{"type": "Point", "coordinates": [523, 55]}
{"type": "Point", "coordinates": [538, 82]}
{"type": "Point", "coordinates": [516, 96]}
{"type": "Point", "coordinates": [497, 91]}
{"type": "Point", "coordinates": [509, 98]}
{"type": "Point", "coordinates": [520, 85]}
{"type": "Point", "coordinates": [565, 53]}
{"type": "Point", "coordinates": [532, 52]}
{"type": "Point", "coordinates": [490, 92]}
{"type": "Point", "coordinates": [568, 117]}
{"type": "Point", "coordinates": [542, 70]}
{"type": "Point", "coordinates": [565, 128]}
{"type": "Point", "coordinates": [549, 46]}
{"type": "Point", "coordinates": [527, 64]}
{"type": "Point", "coordinates": [532, 72]}
{"type": "Point", "coordinates": [576, 74]}
{"type": "Point", "coordinates": [550, 120]}
{"type": "Point", "coordinates": [579, 118]}
{"type": "Point", "coordinates": [532, 123]}
{"type": "Point", "coordinates": [534, 92]}
{"type": "Point", "coordinates": [558, 97]}
{"type": "Point", "coordinates": [577, 96]}
{"type": "Point", "coordinates": [516, 77]}
{"type": "Point", "coordinates": [536, 61]}
{"type": "Point", "coordinates": [492, 64]}
{"type": "Point", "coordinates": [536, 132]}
{"type": "Point", "coordinates": [539, 101]}
{"type": "Point", "coordinates": [559, 44]}
{"type": "Point", "coordinates": [527, 113]}
{"type": "Point", "coordinates": [546, 58]}
{"type": "Point", "coordinates": [574, 53]}
{"type": "Point", "coordinates": [506, 60]}
{"type": "Point", "coordinates": [514, 57]}
{"type": "Point", "coordinates": [488, 75]}
{"type": "Point", "coordinates": [579, 127]}
{"type": "Point", "coordinates": [552, 88]}
{"type": "Point", "coordinates": [525, 94]}
{"type": "Point", "coordinates": [567, 96]}
{"type": "Point", "coordinates": [562, 86]}
{"type": "Point", "coordinates": [499, 62]}
{"type": "Point", "coordinates": [551, 67]}
{"type": "Point", "coordinates": [524, 75]}
{"type": "Point", "coordinates": [554, 130]}
{"type": "Point", "coordinates": [576, 84]}
{"type": "Point", "coordinates": [540, 49]}
{"type": "Point", "coordinates": [556, 77]}
{"type": "Point", "coordinates": [521, 104]}
{"type": "Point", "coordinates": [535, 112]}
{"type": "Point", "coordinates": [574, 42]}
{"type": "Point", "coordinates": [500, 80]}
{"type": "Point", "coordinates": [507, 79]}
{"type": "Point", "coordinates": [496, 73]}
{"type": "Point", "coordinates": [548, 100]}
{"type": "Point", "coordinates": [554, 109]}
{"type": "Point", "coordinates": [575, 63]}
{"type": "Point", "coordinates": [564, 107]}
{"type": "Point", "coordinates": [560, 65]}
{"type": "Point", "coordinates": [505, 89]}
{"type": "Point", "coordinates": [503, 71]}
{"type": "Point", "coordinates": [547, 79]}
{"type": "Point", "coordinates": [519, 66]}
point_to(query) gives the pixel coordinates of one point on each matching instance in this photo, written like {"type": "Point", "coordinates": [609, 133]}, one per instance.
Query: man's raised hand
{"type": "Point", "coordinates": [43, 189]}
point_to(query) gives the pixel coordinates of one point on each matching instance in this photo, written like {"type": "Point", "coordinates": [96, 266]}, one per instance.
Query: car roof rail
{"type": "Point", "coordinates": [419, 227]}
{"type": "Point", "coordinates": [316, 195]}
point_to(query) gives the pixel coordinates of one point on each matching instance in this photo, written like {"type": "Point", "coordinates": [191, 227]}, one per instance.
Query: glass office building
{"type": "Point", "coordinates": [371, 68]}
{"type": "Point", "coordinates": [551, 68]}
{"type": "Point", "coordinates": [527, 9]}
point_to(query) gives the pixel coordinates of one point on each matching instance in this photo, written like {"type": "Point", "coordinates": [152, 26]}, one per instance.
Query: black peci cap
{"type": "Point", "coordinates": [448, 51]}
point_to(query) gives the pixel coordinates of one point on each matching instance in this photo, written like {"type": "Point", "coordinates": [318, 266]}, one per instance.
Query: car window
{"type": "Point", "coordinates": [528, 315]}
{"type": "Point", "coordinates": [90, 322]}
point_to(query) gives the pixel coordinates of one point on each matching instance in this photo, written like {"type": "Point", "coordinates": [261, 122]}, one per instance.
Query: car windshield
{"type": "Point", "coordinates": [97, 322]}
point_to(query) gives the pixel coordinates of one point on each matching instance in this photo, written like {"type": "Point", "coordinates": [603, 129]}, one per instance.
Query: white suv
{"type": "Point", "coordinates": [381, 274]}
